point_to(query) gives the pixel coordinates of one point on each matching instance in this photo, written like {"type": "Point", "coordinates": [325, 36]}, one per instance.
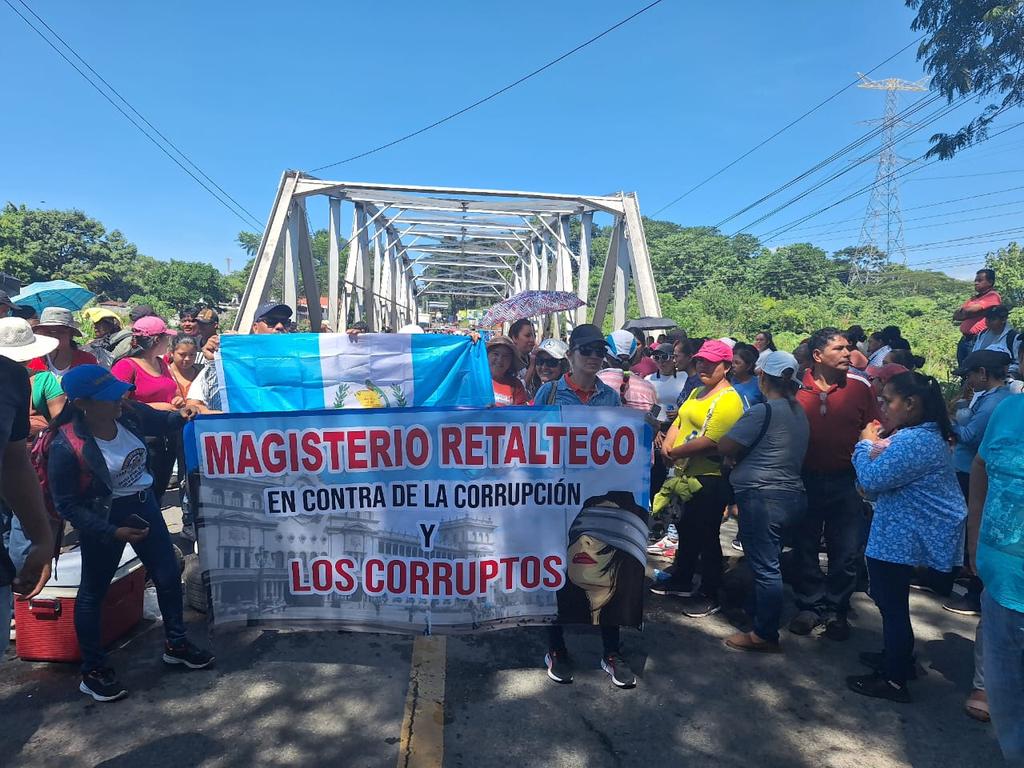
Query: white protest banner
{"type": "Point", "coordinates": [423, 519]}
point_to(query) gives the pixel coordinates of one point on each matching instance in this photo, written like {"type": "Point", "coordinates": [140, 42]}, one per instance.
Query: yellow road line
{"type": "Point", "coordinates": [422, 744]}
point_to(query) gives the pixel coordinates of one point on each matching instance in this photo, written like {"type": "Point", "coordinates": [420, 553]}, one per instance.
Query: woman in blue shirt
{"type": "Point", "coordinates": [743, 376]}
{"type": "Point", "coordinates": [918, 521]}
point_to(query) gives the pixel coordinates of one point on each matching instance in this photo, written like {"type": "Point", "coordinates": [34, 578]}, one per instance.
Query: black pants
{"type": "Point", "coordinates": [890, 589]}
{"type": "Point", "coordinates": [834, 508]}
{"type": "Point", "coordinates": [609, 638]}
{"type": "Point", "coordinates": [698, 535]}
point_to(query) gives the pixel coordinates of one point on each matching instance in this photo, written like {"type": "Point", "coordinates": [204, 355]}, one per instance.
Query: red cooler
{"type": "Point", "coordinates": [46, 623]}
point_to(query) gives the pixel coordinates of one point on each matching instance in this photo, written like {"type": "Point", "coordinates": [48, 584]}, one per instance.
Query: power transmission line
{"type": "Point", "coordinates": [887, 178]}
{"type": "Point", "coordinates": [912, 109]}
{"type": "Point", "coordinates": [782, 130]}
{"type": "Point", "coordinates": [130, 119]}
{"type": "Point", "coordinates": [787, 227]}
{"type": "Point", "coordinates": [918, 207]}
{"type": "Point", "coordinates": [490, 96]}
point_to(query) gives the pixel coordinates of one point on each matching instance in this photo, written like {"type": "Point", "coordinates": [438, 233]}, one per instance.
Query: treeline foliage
{"type": "Point", "coordinates": [715, 285]}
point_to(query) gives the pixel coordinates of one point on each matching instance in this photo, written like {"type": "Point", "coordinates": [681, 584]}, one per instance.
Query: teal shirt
{"type": "Point", "coordinates": [1001, 541]}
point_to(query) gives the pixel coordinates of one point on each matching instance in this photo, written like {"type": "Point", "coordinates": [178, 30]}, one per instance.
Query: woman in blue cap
{"type": "Point", "coordinates": [99, 476]}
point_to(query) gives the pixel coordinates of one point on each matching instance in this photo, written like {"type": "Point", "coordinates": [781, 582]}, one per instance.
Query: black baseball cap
{"type": "Point", "coordinates": [586, 334]}
{"type": "Point", "coordinates": [999, 310]}
{"type": "Point", "coordinates": [282, 311]}
{"type": "Point", "coordinates": [989, 359]}
{"type": "Point", "coordinates": [141, 311]}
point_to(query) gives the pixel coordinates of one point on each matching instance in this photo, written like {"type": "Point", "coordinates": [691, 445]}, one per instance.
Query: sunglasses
{"type": "Point", "coordinates": [595, 350]}
{"type": "Point", "coordinates": [273, 321]}
{"type": "Point", "coordinates": [661, 356]}
{"type": "Point", "coordinates": [546, 362]}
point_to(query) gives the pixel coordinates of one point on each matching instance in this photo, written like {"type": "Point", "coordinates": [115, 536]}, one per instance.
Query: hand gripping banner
{"type": "Point", "coordinates": [423, 519]}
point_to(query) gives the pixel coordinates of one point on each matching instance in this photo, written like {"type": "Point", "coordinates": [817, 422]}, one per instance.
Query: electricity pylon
{"type": "Point", "coordinates": [884, 206]}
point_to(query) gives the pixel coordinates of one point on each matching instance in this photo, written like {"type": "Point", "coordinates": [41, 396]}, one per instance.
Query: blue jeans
{"type": "Point", "coordinates": [100, 558]}
{"type": "Point", "coordinates": [890, 589]}
{"type": "Point", "coordinates": [835, 508]}
{"type": "Point", "coordinates": [764, 516]}
{"type": "Point", "coordinates": [1004, 675]}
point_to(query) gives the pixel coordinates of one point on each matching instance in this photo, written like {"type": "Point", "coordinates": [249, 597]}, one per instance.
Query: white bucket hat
{"type": "Point", "coordinates": [58, 316]}
{"type": "Point", "coordinates": [18, 343]}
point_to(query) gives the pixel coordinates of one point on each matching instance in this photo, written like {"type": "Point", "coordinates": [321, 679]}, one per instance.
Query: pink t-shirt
{"type": "Point", "coordinates": [148, 388]}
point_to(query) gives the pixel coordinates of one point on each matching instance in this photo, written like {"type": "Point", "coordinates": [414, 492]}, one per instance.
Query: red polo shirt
{"type": "Point", "coordinates": [848, 409]}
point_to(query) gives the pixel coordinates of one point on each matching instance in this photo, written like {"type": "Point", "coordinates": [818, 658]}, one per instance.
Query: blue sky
{"type": "Point", "coordinates": [250, 89]}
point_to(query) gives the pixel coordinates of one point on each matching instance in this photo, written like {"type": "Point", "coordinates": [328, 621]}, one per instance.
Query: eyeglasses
{"type": "Point", "coordinates": [660, 356]}
{"type": "Point", "coordinates": [547, 362]}
{"type": "Point", "coordinates": [596, 350]}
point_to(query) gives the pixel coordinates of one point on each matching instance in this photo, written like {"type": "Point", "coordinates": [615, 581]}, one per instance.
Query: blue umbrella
{"type": "Point", "coordinates": [55, 293]}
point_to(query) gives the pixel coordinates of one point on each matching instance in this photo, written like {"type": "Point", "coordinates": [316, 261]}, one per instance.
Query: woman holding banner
{"type": "Point", "coordinates": [587, 349]}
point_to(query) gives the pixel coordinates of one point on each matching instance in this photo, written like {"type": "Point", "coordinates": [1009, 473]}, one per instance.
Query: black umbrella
{"type": "Point", "coordinates": [649, 324]}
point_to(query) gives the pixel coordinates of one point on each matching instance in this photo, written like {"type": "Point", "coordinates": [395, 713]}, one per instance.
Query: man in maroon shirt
{"type": "Point", "coordinates": [838, 405]}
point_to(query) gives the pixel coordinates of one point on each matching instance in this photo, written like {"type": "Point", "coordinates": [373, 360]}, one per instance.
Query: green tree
{"type": "Point", "coordinates": [1008, 263]}
{"type": "Point", "coordinates": [49, 245]}
{"type": "Point", "coordinates": [182, 284]}
{"type": "Point", "coordinates": [792, 270]}
{"type": "Point", "coordinates": [973, 48]}
{"type": "Point", "coordinates": [864, 260]}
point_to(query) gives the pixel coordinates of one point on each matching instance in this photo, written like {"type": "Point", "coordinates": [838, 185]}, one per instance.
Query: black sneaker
{"type": "Point", "coordinates": [804, 623]}
{"type": "Point", "coordinates": [559, 666]}
{"type": "Point", "coordinates": [967, 605]}
{"type": "Point", "coordinates": [699, 606]}
{"type": "Point", "coordinates": [837, 628]}
{"type": "Point", "coordinates": [188, 654]}
{"type": "Point", "coordinates": [877, 687]}
{"type": "Point", "coordinates": [876, 660]}
{"type": "Point", "coordinates": [737, 545]}
{"type": "Point", "coordinates": [102, 685]}
{"type": "Point", "coordinates": [617, 667]}
{"type": "Point", "coordinates": [674, 588]}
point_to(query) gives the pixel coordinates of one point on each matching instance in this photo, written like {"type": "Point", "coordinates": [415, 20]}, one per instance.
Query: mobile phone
{"type": "Point", "coordinates": [134, 521]}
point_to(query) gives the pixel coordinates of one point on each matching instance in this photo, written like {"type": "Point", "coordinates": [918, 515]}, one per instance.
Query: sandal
{"type": "Point", "coordinates": [976, 706]}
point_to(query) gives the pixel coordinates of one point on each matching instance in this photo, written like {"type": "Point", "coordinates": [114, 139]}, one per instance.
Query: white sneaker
{"type": "Point", "coordinates": [662, 544]}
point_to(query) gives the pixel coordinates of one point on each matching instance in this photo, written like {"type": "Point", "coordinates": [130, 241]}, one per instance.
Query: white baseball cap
{"type": "Point", "coordinates": [557, 348]}
{"type": "Point", "coordinates": [778, 362]}
{"type": "Point", "coordinates": [18, 343]}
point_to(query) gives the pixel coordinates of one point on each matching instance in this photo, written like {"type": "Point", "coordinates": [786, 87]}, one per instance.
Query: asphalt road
{"type": "Point", "coordinates": [279, 698]}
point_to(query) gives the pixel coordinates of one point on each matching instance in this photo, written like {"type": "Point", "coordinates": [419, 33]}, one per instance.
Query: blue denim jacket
{"type": "Point", "coordinates": [969, 434]}
{"type": "Point", "coordinates": [564, 394]}
{"type": "Point", "coordinates": [90, 510]}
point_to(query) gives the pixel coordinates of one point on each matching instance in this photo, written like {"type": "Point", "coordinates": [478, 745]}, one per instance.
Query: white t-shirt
{"type": "Point", "coordinates": [126, 461]}
{"type": "Point", "coordinates": [668, 388]}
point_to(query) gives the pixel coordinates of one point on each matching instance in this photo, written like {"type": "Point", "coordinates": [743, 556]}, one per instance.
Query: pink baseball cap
{"type": "Point", "coordinates": [714, 351]}
{"type": "Point", "coordinates": [151, 325]}
{"type": "Point", "coordinates": [885, 372]}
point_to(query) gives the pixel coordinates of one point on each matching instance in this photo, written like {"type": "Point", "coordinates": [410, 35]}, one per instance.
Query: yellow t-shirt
{"type": "Point", "coordinates": [728, 407]}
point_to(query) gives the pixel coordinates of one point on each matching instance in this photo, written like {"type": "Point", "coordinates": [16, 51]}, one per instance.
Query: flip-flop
{"type": "Point", "coordinates": [976, 706]}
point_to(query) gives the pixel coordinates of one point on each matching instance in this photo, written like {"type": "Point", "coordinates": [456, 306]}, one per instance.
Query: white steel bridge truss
{"type": "Point", "coordinates": [410, 244]}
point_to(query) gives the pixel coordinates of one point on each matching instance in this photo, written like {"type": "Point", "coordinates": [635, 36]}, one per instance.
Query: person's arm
{"type": "Point", "coordinates": [156, 422]}
{"type": "Point", "coordinates": [900, 464]}
{"type": "Point", "coordinates": [64, 473]}
{"type": "Point", "coordinates": [56, 405]}
{"type": "Point", "coordinates": [975, 507]}
{"type": "Point", "coordinates": [970, 434]}
{"type": "Point", "coordinates": [20, 489]}
{"type": "Point", "coordinates": [744, 432]}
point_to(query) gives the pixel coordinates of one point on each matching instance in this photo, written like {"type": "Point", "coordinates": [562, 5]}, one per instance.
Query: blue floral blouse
{"type": "Point", "coordinates": [920, 511]}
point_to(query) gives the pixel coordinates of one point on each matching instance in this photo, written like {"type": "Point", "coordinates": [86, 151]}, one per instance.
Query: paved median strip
{"type": "Point", "coordinates": [422, 743]}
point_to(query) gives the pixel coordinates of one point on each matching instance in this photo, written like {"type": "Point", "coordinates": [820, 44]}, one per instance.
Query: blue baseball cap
{"type": "Point", "coordinates": [93, 382]}
{"type": "Point", "coordinates": [273, 309]}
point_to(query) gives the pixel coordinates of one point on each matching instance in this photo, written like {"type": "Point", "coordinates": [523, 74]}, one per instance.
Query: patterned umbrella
{"type": "Point", "coordinates": [55, 293]}
{"type": "Point", "coordinates": [530, 304]}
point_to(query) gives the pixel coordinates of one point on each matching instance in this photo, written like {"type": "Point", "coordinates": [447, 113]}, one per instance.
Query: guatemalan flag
{"type": "Point", "coordinates": [313, 371]}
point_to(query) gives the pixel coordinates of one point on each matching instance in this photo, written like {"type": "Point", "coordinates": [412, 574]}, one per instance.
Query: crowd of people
{"type": "Point", "coordinates": [841, 445]}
